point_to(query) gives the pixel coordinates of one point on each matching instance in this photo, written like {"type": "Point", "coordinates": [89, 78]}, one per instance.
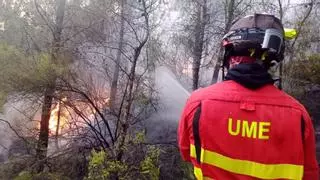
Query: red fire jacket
{"type": "Point", "coordinates": [230, 132]}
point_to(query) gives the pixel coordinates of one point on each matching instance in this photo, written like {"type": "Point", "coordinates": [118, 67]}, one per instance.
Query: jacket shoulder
{"type": "Point", "coordinates": [203, 93]}
{"type": "Point", "coordinates": [294, 101]}
{"type": "Point", "coordinates": [233, 90]}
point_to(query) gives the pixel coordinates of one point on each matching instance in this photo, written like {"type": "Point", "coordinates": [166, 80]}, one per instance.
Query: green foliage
{"type": "Point", "coordinates": [17, 168]}
{"type": "Point", "coordinates": [149, 166]}
{"type": "Point", "coordinates": [187, 169]}
{"type": "Point", "coordinates": [100, 167]}
{"type": "Point", "coordinates": [21, 73]}
{"type": "Point", "coordinates": [172, 166]}
{"type": "Point", "coordinates": [26, 175]}
{"type": "Point", "coordinates": [140, 161]}
{"type": "Point", "coordinates": [3, 98]}
{"type": "Point", "coordinates": [303, 80]}
{"type": "Point", "coordinates": [9, 57]}
{"type": "Point", "coordinates": [139, 138]}
{"type": "Point", "coordinates": [307, 70]}
{"type": "Point", "coordinates": [14, 166]}
{"type": "Point", "coordinates": [96, 167]}
{"type": "Point", "coordinates": [72, 164]}
{"type": "Point", "coordinates": [143, 100]}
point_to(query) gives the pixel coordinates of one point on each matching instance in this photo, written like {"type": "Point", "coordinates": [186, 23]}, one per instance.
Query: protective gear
{"type": "Point", "coordinates": [230, 132]}
{"type": "Point", "coordinates": [259, 35]}
{"type": "Point", "coordinates": [252, 75]}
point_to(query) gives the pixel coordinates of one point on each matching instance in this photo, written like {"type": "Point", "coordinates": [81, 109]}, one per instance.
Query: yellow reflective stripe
{"type": "Point", "coordinates": [290, 33]}
{"type": "Point", "coordinates": [198, 174]}
{"type": "Point", "coordinates": [249, 168]}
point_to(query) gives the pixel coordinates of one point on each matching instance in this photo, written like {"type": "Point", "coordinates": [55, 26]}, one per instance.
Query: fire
{"type": "Point", "coordinates": [57, 116]}
{"type": "Point", "coordinates": [62, 115]}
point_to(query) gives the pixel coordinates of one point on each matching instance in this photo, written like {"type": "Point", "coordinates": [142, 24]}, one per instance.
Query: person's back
{"type": "Point", "coordinates": [246, 128]}
{"type": "Point", "coordinates": [250, 133]}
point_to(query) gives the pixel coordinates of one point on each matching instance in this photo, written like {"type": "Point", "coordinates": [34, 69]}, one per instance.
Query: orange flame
{"type": "Point", "coordinates": [62, 113]}
{"type": "Point", "coordinates": [54, 117]}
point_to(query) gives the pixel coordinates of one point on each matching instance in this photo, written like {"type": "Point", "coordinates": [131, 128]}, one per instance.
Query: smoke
{"type": "Point", "coordinates": [6, 138]}
{"type": "Point", "coordinates": [171, 93]}
{"type": "Point", "coordinates": [172, 97]}
{"type": "Point", "coordinates": [18, 114]}
{"type": "Point", "coordinates": [160, 127]}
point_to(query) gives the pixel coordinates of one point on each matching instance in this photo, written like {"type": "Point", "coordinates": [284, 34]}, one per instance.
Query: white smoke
{"type": "Point", "coordinates": [19, 115]}
{"type": "Point", "coordinates": [172, 97]}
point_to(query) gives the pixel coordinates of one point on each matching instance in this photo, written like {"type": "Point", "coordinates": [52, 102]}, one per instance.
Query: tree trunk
{"type": "Point", "coordinates": [114, 83]}
{"type": "Point", "coordinates": [44, 128]}
{"type": "Point", "coordinates": [217, 66]}
{"type": "Point", "coordinates": [199, 42]}
{"type": "Point", "coordinates": [229, 15]}
{"type": "Point", "coordinates": [125, 116]}
{"type": "Point", "coordinates": [50, 90]}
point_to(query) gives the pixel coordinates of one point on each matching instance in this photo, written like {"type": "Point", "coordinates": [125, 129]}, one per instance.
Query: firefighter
{"type": "Point", "coordinates": [245, 127]}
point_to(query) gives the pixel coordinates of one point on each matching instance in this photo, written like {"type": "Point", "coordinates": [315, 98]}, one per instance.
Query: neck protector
{"type": "Point", "coordinates": [251, 75]}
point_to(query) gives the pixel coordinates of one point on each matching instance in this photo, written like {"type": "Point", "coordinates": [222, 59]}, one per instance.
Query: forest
{"type": "Point", "coordinates": [94, 89]}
